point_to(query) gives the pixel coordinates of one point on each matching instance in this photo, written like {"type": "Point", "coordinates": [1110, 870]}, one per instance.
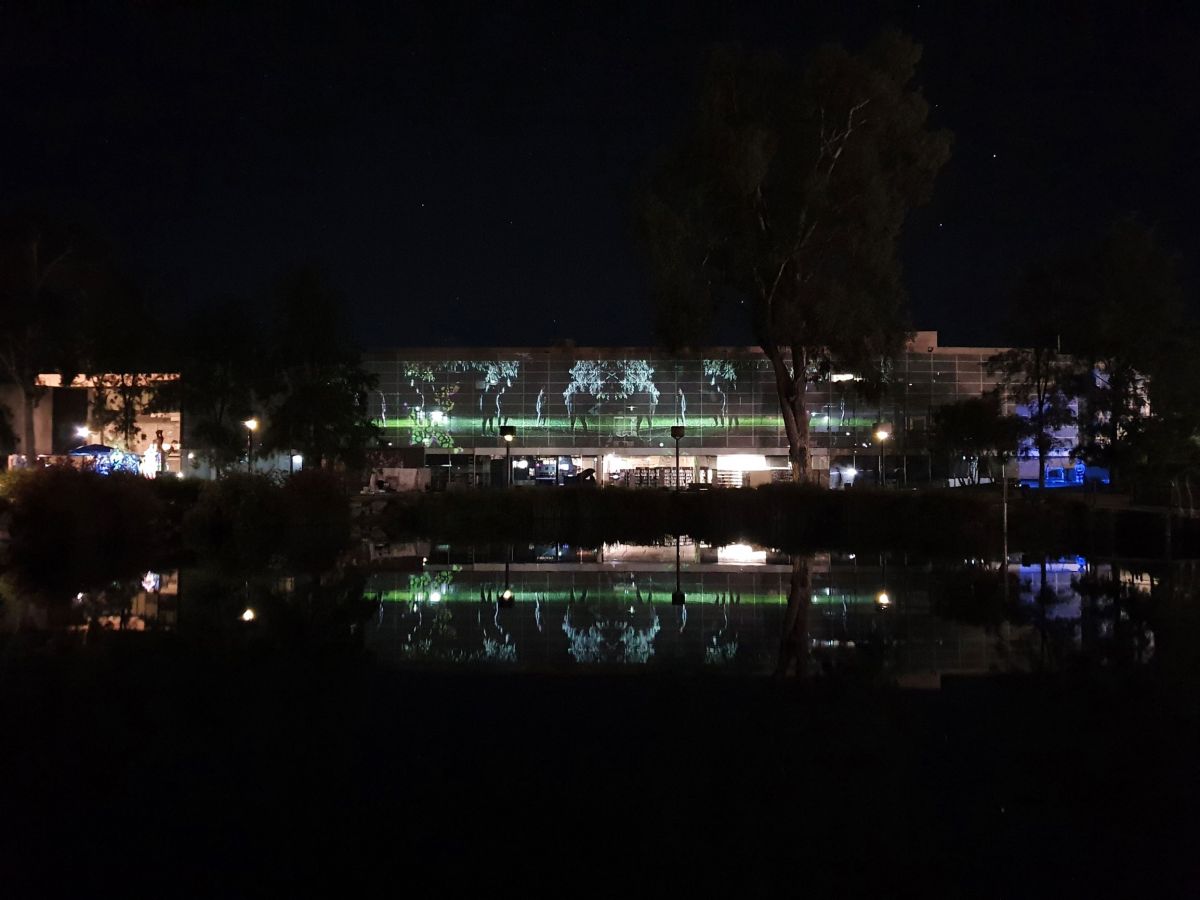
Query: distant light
{"type": "Point", "coordinates": [435, 596]}
{"type": "Point", "coordinates": [883, 599]}
{"type": "Point", "coordinates": [507, 595]}
{"type": "Point", "coordinates": [841, 376]}
{"type": "Point", "coordinates": [178, 474]}
{"type": "Point", "coordinates": [297, 459]}
{"type": "Point", "coordinates": [851, 471]}
{"type": "Point", "coordinates": [251, 424]}
{"type": "Point", "coordinates": [437, 417]}
{"type": "Point", "coordinates": [508, 438]}
{"type": "Point", "coordinates": [740, 553]}
{"type": "Point", "coordinates": [882, 435]}
{"type": "Point", "coordinates": [191, 455]}
{"type": "Point", "coordinates": [81, 431]}
{"type": "Point", "coordinates": [248, 615]}
{"type": "Point", "coordinates": [742, 462]}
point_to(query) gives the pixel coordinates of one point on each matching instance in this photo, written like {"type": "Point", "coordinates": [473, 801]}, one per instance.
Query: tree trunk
{"type": "Point", "coordinates": [792, 385]}
{"type": "Point", "coordinates": [27, 434]}
{"type": "Point", "coordinates": [793, 643]}
{"type": "Point", "coordinates": [1043, 447]}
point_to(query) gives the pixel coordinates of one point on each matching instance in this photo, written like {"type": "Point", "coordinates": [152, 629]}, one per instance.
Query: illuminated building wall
{"type": "Point", "coordinates": [628, 399]}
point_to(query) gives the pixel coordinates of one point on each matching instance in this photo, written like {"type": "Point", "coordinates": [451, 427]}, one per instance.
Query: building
{"type": "Point", "coordinates": [611, 410]}
{"type": "Point", "coordinates": [68, 416]}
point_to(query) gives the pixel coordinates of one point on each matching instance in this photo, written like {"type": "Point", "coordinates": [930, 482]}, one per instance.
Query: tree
{"type": "Point", "coordinates": [46, 269]}
{"type": "Point", "coordinates": [976, 429]}
{"type": "Point", "coordinates": [785, 196]}
{"type": "Point", "coordinates": [1036, 380]}
{"type": "Point", "coordinates": [219, 353]}
{"type": "Point", "coordinates": [121, 351]}
{"type": "Point", "coordinates": [1104, 324]}
{"type": "Point", "coordinates": [1134, 342]}
{"type": "Point", "coordinates": [319, 401]}
{"type": "Point", "coordinates": [1035, 376]}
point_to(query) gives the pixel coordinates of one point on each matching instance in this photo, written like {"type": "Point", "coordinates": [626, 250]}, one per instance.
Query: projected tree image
{"type": "Point", "coordinates": [579, 399]}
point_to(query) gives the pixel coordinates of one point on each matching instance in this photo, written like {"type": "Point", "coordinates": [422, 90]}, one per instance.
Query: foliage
{"type": "Point", "coordinates": [243, 523]}
{"type": "Point", "coordinates": [319, 401]}
{"type": "Point", "coordinates": [238, 523]}
{"type": "Point", "coordinates": [974, 428]}
{"type": "Point", "coordinates": [1037, 379]}
{"type": "Point", "coordinates": [1105, 323]}
{"type": "Point", "coordinates": [1137, 341]}
{"type": "Point", "coordinates": [316, 519]}
{"type": "Point", "coordinates": [48, 270]}
{"type": "Point", "coordinates": [120, 399]}
{"type": "Point", "coordinates": [222, 368]}
{"type": "Point", "coordinates": [785, 195]}
{"type": "Point", "coordinates": [74, 529]}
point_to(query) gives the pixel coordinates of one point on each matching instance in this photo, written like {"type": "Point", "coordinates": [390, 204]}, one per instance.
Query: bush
{"type": "Point", "coordinates": [316, 513]}
{"type": "Point", "coordinates": [237, 523]}
{"type": "Point", "coordinates": [76, 530]}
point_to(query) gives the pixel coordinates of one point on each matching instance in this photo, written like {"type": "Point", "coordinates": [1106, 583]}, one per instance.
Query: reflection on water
{"type": "Point", "coordinates": [674, 606]}
{"type": "Point", "coordinates": [745, 609]}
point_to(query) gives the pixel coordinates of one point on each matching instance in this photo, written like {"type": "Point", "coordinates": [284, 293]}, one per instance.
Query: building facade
{"type": "Point", "coordinates": [611, 410]}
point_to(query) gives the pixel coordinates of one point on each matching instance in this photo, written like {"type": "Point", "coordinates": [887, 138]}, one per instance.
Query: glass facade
{"type": "Point", "coordinates": [580, 399]}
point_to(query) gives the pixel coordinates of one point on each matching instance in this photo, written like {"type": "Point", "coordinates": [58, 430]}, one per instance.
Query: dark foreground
{"type": "Point", "coordinates": [132, 764]}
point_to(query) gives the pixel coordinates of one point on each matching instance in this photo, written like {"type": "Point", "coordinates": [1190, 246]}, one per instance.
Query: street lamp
{"type": "Point", "coordinates": [882, 433]}
{"type": "Point", "coordinates": [251, 427]}
{"type": "Point", "coordinates": [81, 433]}
{"type": "Point", "coordinates": [509, 433]}
{"type": "Point", "coordinates": [677, 432]}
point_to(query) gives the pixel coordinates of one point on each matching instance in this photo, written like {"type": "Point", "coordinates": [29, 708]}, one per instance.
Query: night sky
{"type": "Point", "coordinates": [464, 172]}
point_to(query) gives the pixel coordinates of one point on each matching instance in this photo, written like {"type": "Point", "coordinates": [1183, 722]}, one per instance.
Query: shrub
{"type": "Point", "coordinates": [76, 530]}
{"type": "Point", "coordinates": [237, 523]}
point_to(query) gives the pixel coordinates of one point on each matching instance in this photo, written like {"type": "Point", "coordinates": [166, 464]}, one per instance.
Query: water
{"type": "Point", "coordinates": [751, 610]}
{"type": "Point", "coordinates": [671, 607]}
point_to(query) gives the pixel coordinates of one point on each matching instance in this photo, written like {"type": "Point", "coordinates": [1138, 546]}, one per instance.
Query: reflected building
{"type": "Point", "coordinates": [612, 606]}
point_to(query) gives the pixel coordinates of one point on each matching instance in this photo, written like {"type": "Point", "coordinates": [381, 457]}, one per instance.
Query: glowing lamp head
{"type": "Point", "coordinates": [81, 431]}
{"type": "Point", "coordinates": [248, 615]}
{"type": "Point", "coordinates": [883, 599]}
{"type": "Point", "coordinates": [251, 424]}
{"type": "Point", "coordinates": [507, 595]}
{"type": "Point", "coordinates": [882, 435]}
{"type": "Point", "coordinates": [851, 472]}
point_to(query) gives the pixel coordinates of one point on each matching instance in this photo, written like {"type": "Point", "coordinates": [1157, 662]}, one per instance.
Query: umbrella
{"type": "Point", "coordinates": [92, 450]}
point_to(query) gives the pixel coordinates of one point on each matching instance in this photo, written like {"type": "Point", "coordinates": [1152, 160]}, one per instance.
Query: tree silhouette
{"type": "Point", "coordinates": [785, 196]}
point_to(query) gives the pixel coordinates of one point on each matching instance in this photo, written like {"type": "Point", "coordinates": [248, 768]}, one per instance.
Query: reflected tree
{"type": "Point", "coordinates": [794, 641]}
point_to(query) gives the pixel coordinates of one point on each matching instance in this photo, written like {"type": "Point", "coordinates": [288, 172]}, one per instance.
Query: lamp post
{"type": "Point", "coordinates": [509, 433]}
{"type": "Point", "coordinates": [677, 432]}
{"type": "Point", "coordinates": [251, 427]}
{"type": "Point", "coordinates": [882, 433]}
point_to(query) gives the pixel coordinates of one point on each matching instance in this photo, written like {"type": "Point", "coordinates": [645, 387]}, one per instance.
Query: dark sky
{"type": "Point", "coordinates": [463, 172]}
